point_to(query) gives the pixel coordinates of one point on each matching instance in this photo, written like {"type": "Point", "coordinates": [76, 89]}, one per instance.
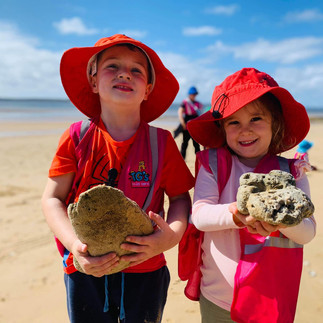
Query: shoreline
{"type": "Point", "coordinates": [9, 128]}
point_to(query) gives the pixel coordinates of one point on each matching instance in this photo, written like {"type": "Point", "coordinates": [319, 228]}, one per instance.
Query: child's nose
{"type": "Point", "coordinates": [245, 128]}
{"type": "Point", "coordinates": [124, 74]}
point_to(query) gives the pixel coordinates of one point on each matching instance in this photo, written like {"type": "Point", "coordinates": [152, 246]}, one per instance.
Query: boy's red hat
{"type": "Point", "coordinates": [74, 76]}
{"type": "Point", "coordinates": [236, 91]}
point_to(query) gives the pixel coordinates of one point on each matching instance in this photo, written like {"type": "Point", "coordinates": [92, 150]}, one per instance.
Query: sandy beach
{"type": "Point", "coordinates": [31, 275]}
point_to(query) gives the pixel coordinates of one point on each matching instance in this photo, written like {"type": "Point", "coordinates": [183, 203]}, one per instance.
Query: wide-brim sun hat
{"type": "Point", "coordinates": [75, 79]}
{"type": "Point", "coordinates": [236, 91]}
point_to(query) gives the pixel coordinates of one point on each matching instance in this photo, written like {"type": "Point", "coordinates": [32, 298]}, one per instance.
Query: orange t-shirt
{"type": "Point", "coordinates": [107, 153]}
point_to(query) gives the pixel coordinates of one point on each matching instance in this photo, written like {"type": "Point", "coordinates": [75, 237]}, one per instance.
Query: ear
{"type": "Point", "coordinates": [93, 84]}
{"type": "Point", "coordinates": [148, 90]}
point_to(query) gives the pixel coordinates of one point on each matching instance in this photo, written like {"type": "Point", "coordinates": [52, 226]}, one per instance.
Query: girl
{"type": "Point", "coordinates": [252, 120]}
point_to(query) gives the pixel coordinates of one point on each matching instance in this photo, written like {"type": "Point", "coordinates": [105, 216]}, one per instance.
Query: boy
{"type": "Point", "coordinates": [122, 85]}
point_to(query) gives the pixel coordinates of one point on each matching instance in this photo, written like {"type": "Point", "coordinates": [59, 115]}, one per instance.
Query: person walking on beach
{"type": "Point", "coordinates": [188, 110]}
{"type": "Point", "coordinates": [249, 270]}
{"type": "Point", "coordinates": [117, 83]}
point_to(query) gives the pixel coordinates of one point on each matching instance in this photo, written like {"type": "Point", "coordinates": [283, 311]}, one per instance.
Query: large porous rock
{"type": "Point", "coordinates": [103, 217]}
{"type": "Point", "coordinates": [273, 198]}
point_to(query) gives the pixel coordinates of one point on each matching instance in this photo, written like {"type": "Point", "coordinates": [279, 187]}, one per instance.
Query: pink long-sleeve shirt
{"type": "Point", "coordinates": [221, 245]}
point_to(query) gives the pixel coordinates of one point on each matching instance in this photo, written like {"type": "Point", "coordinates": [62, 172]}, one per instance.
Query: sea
{"type": "Point", "coordinates": [43, 110]}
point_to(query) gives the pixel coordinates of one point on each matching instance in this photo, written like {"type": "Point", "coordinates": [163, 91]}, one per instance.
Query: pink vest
{"type": "Point", "coordinates": [269, 271]}
{"type": "Point", "coordinates": [149, 146]}
{"type": "Point", "coordinates": [191, 108]}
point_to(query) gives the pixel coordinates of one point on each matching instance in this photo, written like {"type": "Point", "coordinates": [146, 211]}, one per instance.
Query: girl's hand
{"type": "Point", "coordinates": [146, 247]}
{"type": "Point", "coordinates": [253, 225]}
{"type": "Point", "coordinates": [95, 266]}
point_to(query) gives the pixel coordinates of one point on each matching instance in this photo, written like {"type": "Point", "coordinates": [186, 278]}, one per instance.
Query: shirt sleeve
{"type": "Point", "coordinates": [176, 177]}
{"type": "Point", "coordinates": [305, 231]}
{"type": "Point", "coordinates": [64, 161]}
{"type": "Point", "coordinates": [207, 214]}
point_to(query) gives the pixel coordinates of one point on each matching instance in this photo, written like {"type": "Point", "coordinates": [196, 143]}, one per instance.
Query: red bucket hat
{"type": "Point", "coordinates": [74, 70]}
{"type": "Point", "coordinates": [236, 91]}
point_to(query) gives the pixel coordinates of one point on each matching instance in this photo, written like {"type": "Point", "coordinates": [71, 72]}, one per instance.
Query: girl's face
{"type": "Point", "coordinates": [249, 132]}
{"type": "Point", "coordinates": [122, 76]}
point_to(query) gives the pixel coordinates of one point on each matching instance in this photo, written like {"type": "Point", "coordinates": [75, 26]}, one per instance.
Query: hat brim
{"type": "Point", "coordinates": [204, 130]}
{"type": "Point", "coordinates": [73, 70]}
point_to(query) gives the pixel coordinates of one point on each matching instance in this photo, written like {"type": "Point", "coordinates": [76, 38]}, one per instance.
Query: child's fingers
{"type": "Point", "coordinates": [162, 224]}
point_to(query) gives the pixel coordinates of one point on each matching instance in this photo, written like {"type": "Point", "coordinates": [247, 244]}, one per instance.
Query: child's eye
{"type": "Point", "coordinates": [137, 70]}
{"type": "Point", "coordinates": [233, 122]}
{"type": "Point", "coordinates": [112, 66]}
{"type": "Point", "coordinates": [256, 119]}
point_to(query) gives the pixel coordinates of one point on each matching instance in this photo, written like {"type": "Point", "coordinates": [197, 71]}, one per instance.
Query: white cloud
{"type": "Point", "coordinates": [75, 26]}
{"type": "Point", "coordinates": [200, 31]}
{"type": "Point", "coordinates": [287, 51]}
{"type": "Point", "coordinates": [192, 73]}
{"type": "Point", "coordinates": [309, 77]}
{"type": "Point", "coordinates": [29, 71]}
{"type": "Point", "coordinates": [305, 83]}
{"type": "Point", "coordinates": [309, 15]}
{"type": "Point", "coordinates": [223, 10]}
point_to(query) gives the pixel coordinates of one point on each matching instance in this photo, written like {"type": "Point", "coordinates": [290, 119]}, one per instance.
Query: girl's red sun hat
{"type": "Point", "coordinates": [236, 91]}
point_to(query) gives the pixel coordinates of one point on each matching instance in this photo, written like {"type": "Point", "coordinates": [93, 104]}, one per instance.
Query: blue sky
{"type": "Point", "coordinates": [201, 42]}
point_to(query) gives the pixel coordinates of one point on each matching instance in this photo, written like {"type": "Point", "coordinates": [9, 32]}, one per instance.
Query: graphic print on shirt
{"type": "Point", "coordinates": [140, 178]}
{"type": "Point", "coordinates": [103, 174]}
{"type": "Point", "coordinates": [105, 169]}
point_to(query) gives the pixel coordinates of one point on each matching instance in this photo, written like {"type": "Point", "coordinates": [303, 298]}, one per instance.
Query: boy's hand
{"type": "Point", "coordinates": [145, 247]}
{"type": "Point", "coordinates": [253, 225]}
{"type": "Point", "coordinates": [95, 266]}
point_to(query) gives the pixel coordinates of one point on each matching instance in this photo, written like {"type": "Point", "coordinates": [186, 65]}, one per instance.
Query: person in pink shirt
{"type": "Point", "coordinates": [250, 269]}
{"type": "Point", "coordinates": [189, 109]}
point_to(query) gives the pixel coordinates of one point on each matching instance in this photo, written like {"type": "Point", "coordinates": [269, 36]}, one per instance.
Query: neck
{"type": "Point", "coordinates": [121, 124]}
{"type": "Point", "coordinates": [250, 162]}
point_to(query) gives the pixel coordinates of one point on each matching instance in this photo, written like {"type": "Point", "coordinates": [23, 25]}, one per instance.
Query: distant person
{"type": "Point", "coordinates": [302, 152]}
{"type": "Point", "coordinates": [122, 85]}
{"type": "Point", "coordinates": [248, 269]}
{"type": "Point", "coordinates": [188, 110]}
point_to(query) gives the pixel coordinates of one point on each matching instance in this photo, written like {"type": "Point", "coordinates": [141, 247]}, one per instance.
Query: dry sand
{"type": "Point", "coordinates": [31, 276]}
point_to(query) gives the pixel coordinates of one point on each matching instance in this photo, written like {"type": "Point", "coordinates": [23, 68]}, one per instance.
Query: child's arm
{"type": "Point", "coordinates": [166, 236]}
{"type": "Point", "coordinates": [55, 211]}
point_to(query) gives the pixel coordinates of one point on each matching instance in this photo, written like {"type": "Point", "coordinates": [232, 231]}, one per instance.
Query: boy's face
{"type": "Point", "coordinates": [122, 76]}
{"type": "Point", "coordinates": [249, 132]}
{"type": "Point", "coordinates": [192, 96]}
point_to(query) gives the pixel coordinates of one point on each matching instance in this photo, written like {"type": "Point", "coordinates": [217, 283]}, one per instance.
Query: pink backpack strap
{"type": "Point", "coordinates": [78, 130]}
{"type": "Point", "coordinates": [81, 137]}
{"type": "Point", "coordinates": [156, 155]}
{"type": "Point", "coordinates": [214, 159]}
